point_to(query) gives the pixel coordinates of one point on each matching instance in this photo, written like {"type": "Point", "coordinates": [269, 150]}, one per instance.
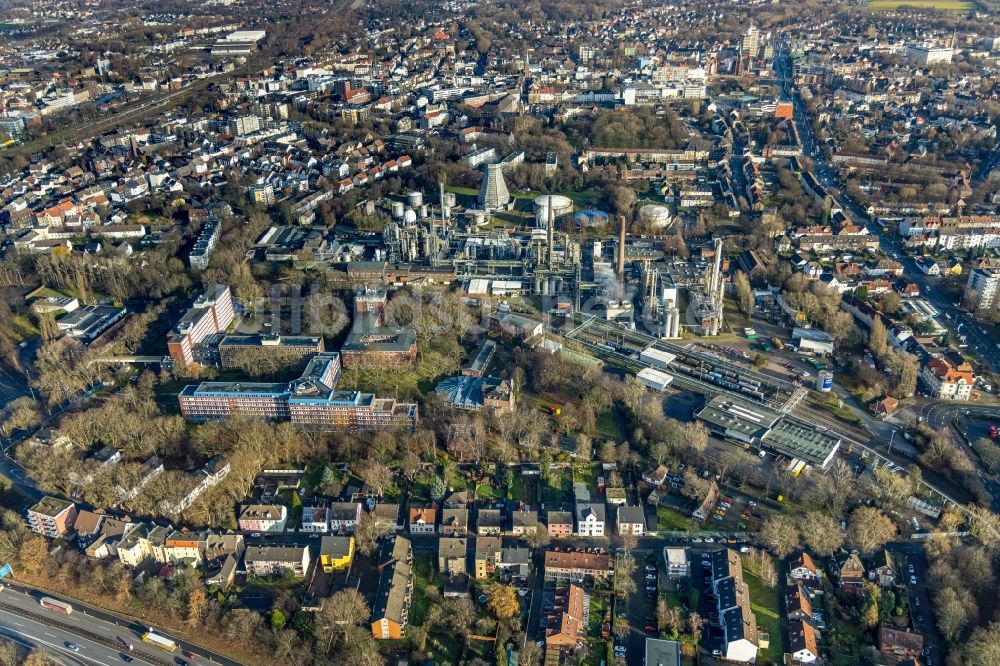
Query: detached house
{"type": "Point", "coordinates": [852, 572]}
{"type": "Point", "coordinates": [899, 644]}
{"type": "Point", "coordinates": [590, 519]}
{"type": "Point", "coordinates": [454, 522]}
{"type": "Point", "coordinates": [884, 570]}
{"type": "Point", "coordinates": [422, 520]}
{"type": "Point", "coordinates": [631, 520]}
{"type": "Point", "coordinates": [489, 522]}
{"type": "Point", "coordinates": [523, 522]}
{"type": "Point", "coordinates": [559, 523]}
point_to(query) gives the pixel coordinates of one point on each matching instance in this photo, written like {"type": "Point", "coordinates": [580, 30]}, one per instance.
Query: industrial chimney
{"type": "Point", "coordinates": [552, 233]}
{"type": "Point", "coordinates": [621, 247]}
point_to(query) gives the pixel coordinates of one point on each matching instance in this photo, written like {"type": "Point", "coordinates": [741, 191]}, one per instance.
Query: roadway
{"type": "Point", "coordinates": [952, 317]}
{"type": "Point", "coordinates": [95, 632]}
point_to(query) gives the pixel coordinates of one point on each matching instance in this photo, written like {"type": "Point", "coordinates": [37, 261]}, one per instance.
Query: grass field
{"type": "Point", "coordinates": [764, 602]}
{"type": "Point", "coordinates": [942, 5]}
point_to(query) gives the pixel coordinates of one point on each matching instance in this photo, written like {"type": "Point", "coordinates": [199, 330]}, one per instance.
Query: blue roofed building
{"type": "Point", "coordinates": [477, 393]}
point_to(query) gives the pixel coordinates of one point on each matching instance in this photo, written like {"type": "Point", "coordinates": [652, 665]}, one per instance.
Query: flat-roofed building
{"type": "Point", "coordinates": [267, 353]}
{"type": "Point", "coordinates": [211, 313]}
{"type": "Point", "coordinates": [52, 517]}
{"type": "Point", "coordinates": [310, 402]}
{"type": "Point", "coordinates": [737, 419]}
{"type": "Point", "coordinates": [662, 653]}
{"type": "Point", "coordinates": [815, 447]}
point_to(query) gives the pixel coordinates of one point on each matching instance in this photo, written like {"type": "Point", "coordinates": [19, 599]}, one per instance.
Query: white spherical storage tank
{"type": "Point", "coordinates": [560, 205]}
{"type": "Point", "coordinates": [655, 215]}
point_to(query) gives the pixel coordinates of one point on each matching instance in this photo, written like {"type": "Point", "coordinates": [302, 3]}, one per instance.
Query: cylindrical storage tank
{"type": "Point", "coordinates": [369, 207]}
{"type": "Point", "coordinates": [561, 206]}
{"type": "Point", "coordinates": [591, 217]}
{"type": "Point", "coordinates": [410, 217]}
{"type": "Point", "coordinates": [423, 212]}
{"type": "Point", "coordinates": [824, 381]}
{"type": "Point", "coordinates": [598, 248]}
{"type": "Point", "coordinates": [397, 209]}
{"type": "Point", "coordinates": [655, 216]}
{"type": "Point", "coordinates": [449, 199]}
{"type": "Point", "coordinates": [414, 199]}
{"type": "Point", "coordinates": [446, 212]}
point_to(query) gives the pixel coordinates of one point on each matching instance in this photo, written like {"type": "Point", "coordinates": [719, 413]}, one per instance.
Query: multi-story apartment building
{"type": "Point", "coordinates": [52, 517]}
{"type": "Point", "coordinates": [211, 313]}
{"type": "Point", "coordinates": [391, 609]}
{"type": "Point", "coordinates": [315, 520]}
{"type": "Point", "coordinates": [336, 553]}
{"type": "Point", "coordinates": [928, 54]}
{"type": "Point", "coordinates": [271, 560]}
{"type": "Point", "coordinates": [577, 565]}
{"type": "Point", "coordinates": [263, 518]}
{"type": "Point", "coordinates": [311, 401]}
{"type": "Point", "coordinates": [184, 546]}
{"type": "Point", "coordinates": [739, 640]}
{"type": "Point", "coordinates": [947, 381]}
{"type": "Point", "coordinates": [982, 288]}
{"type": "Point", "coordinates": [590, 519]}
{"type": "Point", "coordinates": [202, 250]}
{"type": "Point", "coordinates": [344, 516]}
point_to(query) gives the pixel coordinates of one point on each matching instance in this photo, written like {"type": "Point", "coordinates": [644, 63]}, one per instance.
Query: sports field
{"type": "Point", "coordinates": [943, 5]}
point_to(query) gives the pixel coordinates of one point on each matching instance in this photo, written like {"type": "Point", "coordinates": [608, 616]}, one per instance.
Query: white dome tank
{"type": "Point", "coordinates": [655, 215]}
{"type": "Point", "coordinates": [560, 205]}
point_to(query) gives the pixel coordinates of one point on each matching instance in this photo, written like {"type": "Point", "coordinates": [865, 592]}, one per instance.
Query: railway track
{"type": "Point", "coordinates": [812, 416]}
{"type": "Point", "coordinates": [48, 619]}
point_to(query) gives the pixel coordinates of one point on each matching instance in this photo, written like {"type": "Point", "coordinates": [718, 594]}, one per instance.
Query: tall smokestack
{"type": "Point", "coordinates": [716, 286]}
{"type": "Point", "coordinates": [552, 233]}
{"type": "Point", "coordinates": [621, 247]}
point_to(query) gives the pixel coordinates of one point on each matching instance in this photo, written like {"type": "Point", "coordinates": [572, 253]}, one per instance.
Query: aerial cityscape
{"type": "Point", "coordinates": [612, 333]}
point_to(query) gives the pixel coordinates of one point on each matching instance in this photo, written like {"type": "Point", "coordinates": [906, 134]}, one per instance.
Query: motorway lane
{"type": "Point", "coordinates": [103, 623]}
{"type": "Point", "coordinates": [53, 641]}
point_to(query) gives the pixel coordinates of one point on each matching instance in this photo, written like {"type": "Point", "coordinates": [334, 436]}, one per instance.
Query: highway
{"type": "Point", "coordinates": [99, 636]}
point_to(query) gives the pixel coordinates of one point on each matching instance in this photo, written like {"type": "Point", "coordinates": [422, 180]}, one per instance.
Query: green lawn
{"type": "Point", "coordinates": [608, 425]}
{"type": "Point", "coordinates": [559, 487]}
{"type": "Point", "coordinates": [423, 575]}
{"type": "Point", "coordinates": [670, 519]}
{"type": "Point", "coordinates": [586, 473]}
{"type": "Point", "coordinates": [764, 603]}
{"type": "Point", "coordinates": [486, 491]}
{"type": "Point", "coordinates": [517, 490]}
